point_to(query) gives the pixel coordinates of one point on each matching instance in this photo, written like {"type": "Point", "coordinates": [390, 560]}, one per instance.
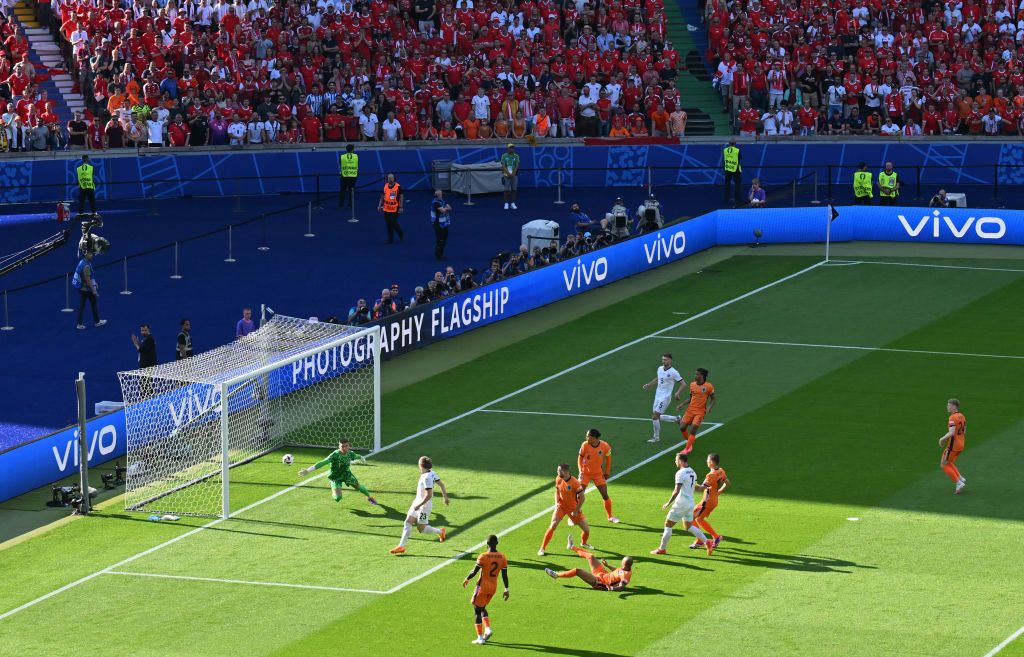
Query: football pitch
{"type": "Point", "coordinates": [842, 535]}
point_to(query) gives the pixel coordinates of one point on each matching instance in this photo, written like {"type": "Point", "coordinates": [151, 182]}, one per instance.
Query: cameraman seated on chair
{"type": "Point", "coordinates": [939, 200]}
{"type": "Point", "coordinates": [581, 221]}
{"type": "Point", "coordinates": [617, 221]}
{"type": "Point", "coordinates": [648, 216]}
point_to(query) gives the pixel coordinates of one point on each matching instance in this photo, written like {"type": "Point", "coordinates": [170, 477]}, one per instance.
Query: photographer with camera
{"type": "Point", "coordinates": [88, 291]}
{"type": "Point", "coordinates": [421, 298]}
{"type": "Point", "coordinates": [359, 314]}
{"type": "Point", "coordinates": [440, 281]}
{"type": "Point", "coordinates": [384, 306]}
{"type": "Point", "coordinates": [495, 273]}
{"type": "Point", "coordinates": [468, 279]}
{"type": "Point", "coordinates": [571, 247]}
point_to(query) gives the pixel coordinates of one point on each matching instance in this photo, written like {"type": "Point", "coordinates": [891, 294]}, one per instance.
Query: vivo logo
{"type": "Point", "coordinates": [579, 275]}
{"type": "Point", "coordinates": [193, 406]}
{"type": "Point", "coordinates": [105, 439]}
{"type": "Point", "coordinates": [986, 228]}
{"type": "Point", "coordinates": [665, 247]}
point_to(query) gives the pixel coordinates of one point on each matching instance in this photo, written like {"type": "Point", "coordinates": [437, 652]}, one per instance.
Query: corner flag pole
{"type": "Point", "coordinates": [828, 229]}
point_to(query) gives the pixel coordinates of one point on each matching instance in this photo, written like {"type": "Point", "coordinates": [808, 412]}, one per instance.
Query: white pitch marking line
{"type": "Point", "coordinates": [596, 417]}
{"type": "Point", "coordinates": [1010, 639]}
{"type": "Point", "coordinates": [678, 313]}
{"type": "Point", "coordinates": [456, 418]}
{"type": "Point", "coordinates": [842, 263]}
{"type": "Point", "coordinates": [542, 513]}
{"type": "Point", "coordinates": [241, 581]}
{"type": "Point", "coordinates": [921, 264]}
{"type": "Point", "coordinates": [853, 519]}
{"type": "Point", "coordinates": [842, 346]}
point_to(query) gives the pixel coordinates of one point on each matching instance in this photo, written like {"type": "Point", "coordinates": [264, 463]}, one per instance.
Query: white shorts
{"type": "Point", "coordinates": [423, 514]}
{"type": "Point", "coordinates": [679, 513]}
{"type": "Point", "coordinates": [661, 403]}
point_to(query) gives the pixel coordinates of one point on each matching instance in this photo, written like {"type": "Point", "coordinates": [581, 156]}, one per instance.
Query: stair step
{"type": "Point", "coordinates": [37, 31]}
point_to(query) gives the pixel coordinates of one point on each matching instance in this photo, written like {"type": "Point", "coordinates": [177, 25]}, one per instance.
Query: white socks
{"type": "Point", "coordinates": [695, 530]}
{"type": "Point", "coordinates": [431, 530]}
{"type": "Point", "coordinates": [657, 427]}
{"type": "Point", "coordinates": [665, 535]}
{"type": "Point", "coordinates": [670, 418]}
{"type": "Point", "coordinates": [406, 530]}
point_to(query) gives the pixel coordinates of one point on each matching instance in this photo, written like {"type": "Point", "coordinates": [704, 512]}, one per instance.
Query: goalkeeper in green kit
{"type": "Point", "coordinates": [340, 460]}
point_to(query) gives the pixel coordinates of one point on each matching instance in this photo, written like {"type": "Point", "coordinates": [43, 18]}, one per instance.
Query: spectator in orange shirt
{"type": "Point", "coordinates": [471, 127]}
{"type": "Point", "coordinates": [638, 129]}
{"type": "Point", "coordinates": [677, 123]}
{"type": "Point", "coordinates": [447, 132]}
{"type": "Point", "coordinates": [659, 122]}
{"type": "Point", "coordinates": [618, 130]}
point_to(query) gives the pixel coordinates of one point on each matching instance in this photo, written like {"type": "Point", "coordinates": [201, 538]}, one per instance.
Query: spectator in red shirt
{"type": "Point", "coordinates": [178, 132]}
{"type": "Point", "coordinates": [312, 130]}
{"type": "Point", "coordinates": [334, 125]}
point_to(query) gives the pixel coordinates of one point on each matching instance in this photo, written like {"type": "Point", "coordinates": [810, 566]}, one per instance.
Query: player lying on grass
{"type": "Point", "coordinates": [665, 379]}
{"type": "Point", "coordinates": [714, 484]}
{"type": "Point", "coordinates": [488, 564]}
{"type": "Point", "coordinates": [595, 464]}
{"type": "Point", "coordinates": [682, 506]}
{"type": "Point", "coordinates": [952, 444]}
{"type": "Point", "coordinates": [340, 460]}
{"type": "Point", "coordinates": [568, 504]}
{"type": "Point", "coordinates": [698, 404]}
{"type": "Point", "coordinates": [418, 515]}
{"type": "Point", "coordinates": [601, 575]}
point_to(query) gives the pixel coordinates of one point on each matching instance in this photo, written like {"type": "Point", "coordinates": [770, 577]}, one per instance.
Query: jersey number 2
{"type": "Point", "coordinates": [494, 569]}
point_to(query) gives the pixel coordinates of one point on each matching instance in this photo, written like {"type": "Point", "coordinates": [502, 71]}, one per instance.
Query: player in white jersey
{"type": "Point", "coordinates": [666, 379]}
{"type": "Point", "coordinates": [418, 515]}
{"type": "Point", "coordinates": [681, 504]}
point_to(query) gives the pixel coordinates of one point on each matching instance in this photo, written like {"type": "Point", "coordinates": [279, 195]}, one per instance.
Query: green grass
{"type": "Point", "coordinates": [811, 436]}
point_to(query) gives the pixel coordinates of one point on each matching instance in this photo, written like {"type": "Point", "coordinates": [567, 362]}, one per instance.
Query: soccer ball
{"type": "Point", "coordinates": [287, 459]}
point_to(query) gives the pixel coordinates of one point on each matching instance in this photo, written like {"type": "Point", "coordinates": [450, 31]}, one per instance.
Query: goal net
{"type": "Point", "coordinates": [292, 382]}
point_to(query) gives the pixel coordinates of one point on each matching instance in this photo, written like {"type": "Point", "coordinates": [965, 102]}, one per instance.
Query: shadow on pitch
{"type": "Point", "coordinates": [800, 562]}
{"type": "Point", "coordinates": [555, 650]}
{"type": "Point", "coordinates": [296, 525]}
{"type": "Point", "coordinates": [121, 516]}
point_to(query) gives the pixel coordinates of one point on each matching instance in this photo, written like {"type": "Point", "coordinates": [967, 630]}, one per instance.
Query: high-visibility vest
{"type": "Point", "coordinates": [85, 176]}
{"type": "Point", "coordinates": [391, 193]}
{"type": "Point", "coordinates": [348, 165]}
{"type": "Point", "coordinates": [731, 157]}
{"type": "Point", "coordinates": [886, 183]}
{"type": "Point", "coordinates": [862, 184]}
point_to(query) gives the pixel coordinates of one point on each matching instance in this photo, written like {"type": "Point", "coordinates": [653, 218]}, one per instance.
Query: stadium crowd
{"type": "Point", "coordinates": [383, 70]}
{"type": "Point", "coordinates": [869, 67]}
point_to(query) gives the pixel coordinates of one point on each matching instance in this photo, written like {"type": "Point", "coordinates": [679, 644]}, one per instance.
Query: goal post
{"type": "Point", "coordinates": [292, 382]}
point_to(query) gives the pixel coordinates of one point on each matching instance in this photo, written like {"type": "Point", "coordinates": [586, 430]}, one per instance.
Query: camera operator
{"type": "Point", "coordinates": [359, 314]}
{"type": "Point", "coordinates": [539, 258]}
{"type": "Point", "coordinates": [648, 216]}
{"type": "Point", "coordinates": [494, 274]}
{"type": "Point", "coordinates": [441, 282]}
{"type": "Point", "coordinates": [617, 220]}
{"type": "Point", "coordinates": [451, 279]}
{"type": "Point", "coordinates": [421, 298]}
{"type": "Point", "coordinates": [384, 307]}
{"type": "Point", "coordinates": [468, 279]}
{"type": "Point", "coordinates": [939, 200]}
{"type": "Point", "coordinates": [397, 299]}
{"type": "Point", "coordinates": [88, 290]}
{"type": "Point", "coordinates": [434, 291]}
{"type": "Point", "coordinates": [581, 221]}
{"type": "Point", "coordinates": [570, 249]}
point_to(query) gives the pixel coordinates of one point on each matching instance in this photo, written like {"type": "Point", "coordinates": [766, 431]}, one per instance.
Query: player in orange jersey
{"type": "Point", "coordinates": [568, 503]}
{"type": "Point", "coordinates": [488, 564]}
{"type": "Point", "coordinates": [595, 465]}
{"type": "Point", "coordinates": [698, 404]}
{"type": "Point", "coordinates": [714, 484]}
{"type": "Point", "coordinates": [601, 575]}
{"type": "Point", "coordinates": [953, 443]}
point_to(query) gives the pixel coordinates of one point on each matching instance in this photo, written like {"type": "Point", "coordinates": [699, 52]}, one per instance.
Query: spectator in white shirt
{"type": "Point", "coordinates": [889, 128]}
{"type": "Point", "coordinates": [368, 122]}
{"type": "Point", "coordinates": [391, 129]}
{"type": "Point", "coordinates": [155, 127]}
{"type": "Point", "coordinates": [256, 130]}
{"type": "Point", "coordinates": [991, 123]}
{"type": "Point", "coordinates": [771, 123]}
{"type": "Point", "coordinates": [237, 132]}
{"type": "Point", "coordinates": [784, 118]}
{"type": "Point", "coordinates": [481, 105]}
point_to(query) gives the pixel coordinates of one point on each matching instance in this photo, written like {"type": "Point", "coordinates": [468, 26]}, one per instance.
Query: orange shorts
{"type": "Point", "coordinates": [952, 454]}
{"type": "Point", "coordinates": [704, 510]}
{"type": "Point", "coordinates": [693, 417]}
{"type": "Point", "coordinates": [481, 597]}
{"type": "Point", "coordinates": [598, 479]}
{"type": "Point", "coordinates": [575, 514]}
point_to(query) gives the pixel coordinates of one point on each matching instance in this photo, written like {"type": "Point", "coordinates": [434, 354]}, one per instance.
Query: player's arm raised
{"type": "Point", "coordinates": [316, 466]}
{"type": "Point", "coordinates": [675, 494]}
{"type": "Point", "coordinates": [444, 491]}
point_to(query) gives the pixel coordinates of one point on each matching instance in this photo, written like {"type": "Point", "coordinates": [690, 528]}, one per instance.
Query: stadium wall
{"type": "Point", "coordinates": [127, 175]}
{"type": "Point", "coordinates": [55, 456]}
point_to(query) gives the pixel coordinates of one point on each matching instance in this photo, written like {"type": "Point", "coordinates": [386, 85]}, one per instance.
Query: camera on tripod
{"type": "Point", "coordinates": [115, 478]}
{"type": "Point", "coordinates": [90, 242]}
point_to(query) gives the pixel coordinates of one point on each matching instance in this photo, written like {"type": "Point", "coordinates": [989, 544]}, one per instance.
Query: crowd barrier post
{"type": "Point", "coordinates": [829, 197]}
{"type": "Point", "coordinates": [559, 201]}
{"type": "Point", "coordinates": [231, 231]}
{"type": "Point", "coordinates": [126, 291]}
{"type": "Point", "coordinates": [176, 276]}
{"type": "Point", "coordinates": [263, 234]}
{"type": "Point", "coordinates": [815, 201]}
{"type": "Point", "coordinates": [7, 318]}
{"type": "Point", "coordinates": [67, 295]}
{"type": "Point", "coordinates": [469, 190]}
{"type": "Point", "coordinates": [309, 220]}
{"type": "Point", "coordinates": [352, 219]}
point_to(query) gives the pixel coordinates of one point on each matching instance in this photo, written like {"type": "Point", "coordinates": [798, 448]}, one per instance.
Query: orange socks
{"type": "Point", "coordinates": [479, 629]}
{"type": "Point", "coordinates": [583, 538]}
{"type": "Point", "coordinates": [608, 507]}
{"type": "Point", "coordinates": [951, 472]}
{"type": "Point", "coordinates": [583, 554]}
{"type": "Point", "coordinates": [487, 622]}
{"type": "Point", "coordinates": [567, 573]}
{"type": "Point", "coordinates": [706, 526]}
{"type": "Point", "coordinates": [547, 538]}
{"type": "Point", "coordinates": [689, 439]}
{"type": "Point", "coordinates": [956, 470]}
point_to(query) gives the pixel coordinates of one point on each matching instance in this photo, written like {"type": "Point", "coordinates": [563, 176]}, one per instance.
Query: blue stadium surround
{"type": "Point", "coordinates": [267, 172]}
{"type": "Point", "coordinates": [53, 457]}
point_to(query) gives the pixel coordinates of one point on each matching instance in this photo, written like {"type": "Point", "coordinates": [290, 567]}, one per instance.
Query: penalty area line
{"type": "Point", "coordinates": [595, 417]}
{"type": "Point", "coordinates": [242, 581]}
{"type": "Point", "coordinates": [1007, 641]}
{"type": "Point", "coordinates": [843, 346]}
{"type": "Point", "coordinates": [711, 426]}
